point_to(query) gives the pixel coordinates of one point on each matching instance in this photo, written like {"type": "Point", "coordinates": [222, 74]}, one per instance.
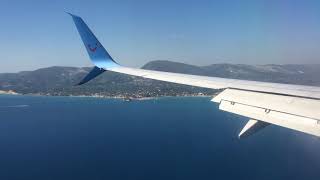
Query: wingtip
{"type": "Point", "coordinates": [72, 15]}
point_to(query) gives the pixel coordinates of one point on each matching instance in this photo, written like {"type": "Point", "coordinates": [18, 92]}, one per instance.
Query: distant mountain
{"type": "Point", "coordinates": [61, 80]}
{"type": "Point", "coordinates": [304, 74]}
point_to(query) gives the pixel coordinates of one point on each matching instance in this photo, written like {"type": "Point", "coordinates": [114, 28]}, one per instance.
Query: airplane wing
{"type": "Point", "coordinates": [291, 106]}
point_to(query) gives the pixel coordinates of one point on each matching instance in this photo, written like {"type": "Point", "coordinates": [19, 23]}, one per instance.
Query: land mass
{"type": "Point", "coordinates": [60, 81]}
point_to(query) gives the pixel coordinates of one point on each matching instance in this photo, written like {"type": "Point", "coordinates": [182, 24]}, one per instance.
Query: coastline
{"type": "Point", "coordinates": [125, 98]}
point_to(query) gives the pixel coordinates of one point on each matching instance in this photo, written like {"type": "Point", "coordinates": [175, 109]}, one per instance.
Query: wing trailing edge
{"type": "Point", "coordinates": [294, 113]}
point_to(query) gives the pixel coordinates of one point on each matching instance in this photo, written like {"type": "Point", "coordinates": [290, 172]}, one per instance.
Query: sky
{"type": "Point", "coordinates": [36, 34]}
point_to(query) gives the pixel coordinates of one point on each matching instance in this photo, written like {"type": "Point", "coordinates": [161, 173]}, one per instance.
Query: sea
{"type": "Point", "coordinates": [170, 138]}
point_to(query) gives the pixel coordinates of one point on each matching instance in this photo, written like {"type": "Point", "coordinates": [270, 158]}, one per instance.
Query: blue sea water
{"type": "Point", "coordinates": [166, 138]}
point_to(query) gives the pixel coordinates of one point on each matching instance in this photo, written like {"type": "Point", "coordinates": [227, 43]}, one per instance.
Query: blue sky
{"type": "Point", "coordinates": [38, 34]}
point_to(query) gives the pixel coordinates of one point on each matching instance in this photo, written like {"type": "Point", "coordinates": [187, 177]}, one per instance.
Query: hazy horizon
{"type": "Point", "coordinates": [39, 34]}
{"type": "Point", "coordinates": [162, 60]}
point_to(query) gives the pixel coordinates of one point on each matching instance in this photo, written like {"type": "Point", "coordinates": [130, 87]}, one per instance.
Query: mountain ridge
{"type": "Point", "coordinates": [60, 80]}
{"type": "Point", "coordinates": [304, 74]}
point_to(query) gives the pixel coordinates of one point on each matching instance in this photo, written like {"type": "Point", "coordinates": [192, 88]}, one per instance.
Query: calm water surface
{"type": "Point", "coordinates": [167, 138]}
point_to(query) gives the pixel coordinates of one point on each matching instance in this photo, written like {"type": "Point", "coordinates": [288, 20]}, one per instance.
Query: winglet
{"type": "Point", "coordinates": [97, 53]}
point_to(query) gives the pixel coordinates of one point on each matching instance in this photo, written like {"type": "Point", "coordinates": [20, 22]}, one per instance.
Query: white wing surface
{"type": "Point", "coordinates": [291, 106]}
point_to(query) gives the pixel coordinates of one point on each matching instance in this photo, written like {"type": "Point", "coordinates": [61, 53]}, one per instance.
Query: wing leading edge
{"type": "Point", "coordinates": [290, 106]}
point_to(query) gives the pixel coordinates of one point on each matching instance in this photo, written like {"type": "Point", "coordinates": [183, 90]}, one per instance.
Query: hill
{"type": "Point", "coordinates": [61, 80]}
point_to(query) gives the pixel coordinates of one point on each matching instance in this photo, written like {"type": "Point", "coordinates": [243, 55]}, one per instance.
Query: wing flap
{"type": "Point", "coordinates": [263, 112]}
{"type": "Point", "coordinates": [287, 104]}
{"type": "Point", "coordinates": [252, 127]}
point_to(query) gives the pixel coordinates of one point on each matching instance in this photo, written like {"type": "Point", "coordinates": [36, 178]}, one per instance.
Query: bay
{"type": "Point", "coordinates": [164, 138]}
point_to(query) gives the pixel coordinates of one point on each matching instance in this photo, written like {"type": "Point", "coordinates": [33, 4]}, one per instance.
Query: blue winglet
{"type": "Point", "coordinates": [98, 55]}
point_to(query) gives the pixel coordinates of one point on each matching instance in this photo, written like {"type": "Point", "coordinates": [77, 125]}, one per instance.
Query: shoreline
{"type": "Point", "coordinates": [107, 97]}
